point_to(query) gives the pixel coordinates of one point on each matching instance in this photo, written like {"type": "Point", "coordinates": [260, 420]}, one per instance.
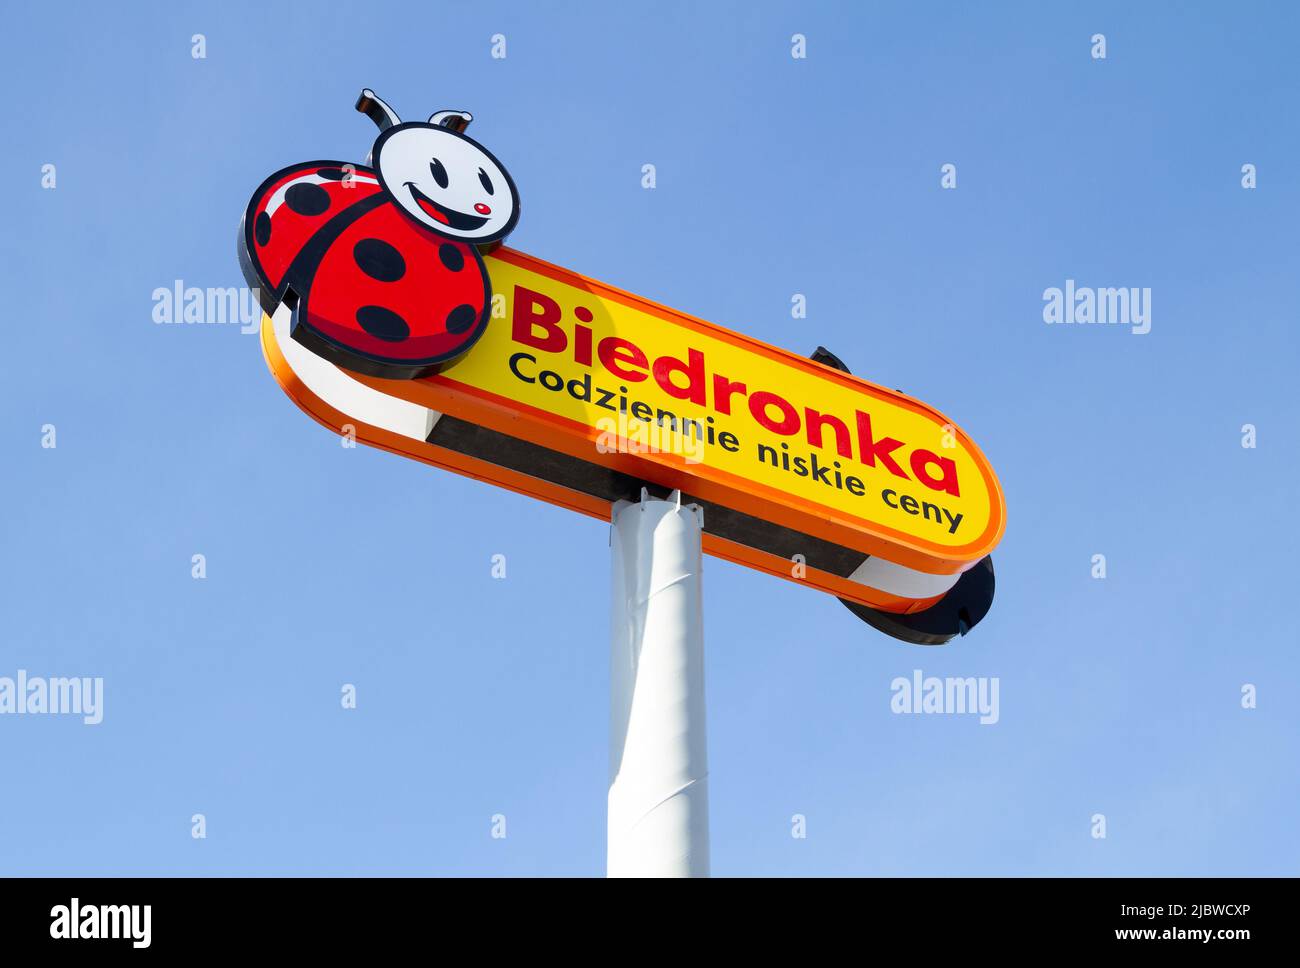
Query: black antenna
{"type": "Point", "coordinates": [370, 104]}
{"type": "Point", "coordinates": [456, 121]}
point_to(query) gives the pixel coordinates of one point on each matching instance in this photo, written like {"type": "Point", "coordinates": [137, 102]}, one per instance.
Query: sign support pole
{"type": "Point", "coordinates": [658, 764]}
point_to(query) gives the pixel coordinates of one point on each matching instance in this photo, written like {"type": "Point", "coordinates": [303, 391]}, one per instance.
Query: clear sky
{"type": "Point", "coordinates": [1119, 696]}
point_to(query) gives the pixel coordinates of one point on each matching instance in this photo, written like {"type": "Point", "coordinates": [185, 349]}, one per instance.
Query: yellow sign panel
{"type": "Point", "coordinates": [610, 377]}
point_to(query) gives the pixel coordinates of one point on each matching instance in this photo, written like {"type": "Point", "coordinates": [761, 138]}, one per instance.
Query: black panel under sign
{"type": "Point", "coordinates": [584, 477]}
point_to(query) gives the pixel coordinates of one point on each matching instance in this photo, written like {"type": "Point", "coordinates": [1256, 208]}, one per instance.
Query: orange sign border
{"type": "Point", "coordinates": [335, 420]}
{"type": "Point", "coordinates": [445, 394]}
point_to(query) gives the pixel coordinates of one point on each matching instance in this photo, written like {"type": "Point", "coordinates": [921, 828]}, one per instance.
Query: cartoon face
{"type": "Point", "coordinates": [447, 182]}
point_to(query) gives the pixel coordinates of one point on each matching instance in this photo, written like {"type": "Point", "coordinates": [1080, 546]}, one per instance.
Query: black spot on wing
{"type": "Point", "coordinates": [307, 198]}
{"type": "Point", "coordinates": [461, 318]}
{"type": "Point", "coordinates": [451, 257]}
{"type": "Point", "coordinates": [383, 323]}
{"type": "Point", "coordinates": [379, 260]}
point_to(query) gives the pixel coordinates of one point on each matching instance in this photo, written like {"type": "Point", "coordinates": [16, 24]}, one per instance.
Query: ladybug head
{"type": "Point", "coordinates": [442, 179]}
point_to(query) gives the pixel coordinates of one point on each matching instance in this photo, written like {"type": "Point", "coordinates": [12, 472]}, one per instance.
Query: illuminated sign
{"type": "Point", "coordinates": [615, 380]}
{"type": "Point", "coordinates": [512, 370]}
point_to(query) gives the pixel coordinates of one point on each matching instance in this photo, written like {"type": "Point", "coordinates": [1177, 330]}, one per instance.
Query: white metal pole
{"type": "Point", "coordinates": [658, 765]}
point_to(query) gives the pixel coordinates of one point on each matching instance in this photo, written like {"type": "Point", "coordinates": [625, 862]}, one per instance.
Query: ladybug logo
{"type": "Point", "coordinates": [380, 262]}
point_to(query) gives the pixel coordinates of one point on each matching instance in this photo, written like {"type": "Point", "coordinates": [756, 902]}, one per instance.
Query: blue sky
{"type": "Point", "coordinates": [775, 176]}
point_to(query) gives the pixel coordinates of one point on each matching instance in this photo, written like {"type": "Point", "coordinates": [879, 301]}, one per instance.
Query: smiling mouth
{"type": "Point", "coordinates": [440, 213]}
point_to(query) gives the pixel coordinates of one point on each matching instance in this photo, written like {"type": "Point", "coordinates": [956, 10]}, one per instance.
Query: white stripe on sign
{"type": "Point", "coordinates": [345, 394]}
{"type": "Point", "coordinates": [904, 582]}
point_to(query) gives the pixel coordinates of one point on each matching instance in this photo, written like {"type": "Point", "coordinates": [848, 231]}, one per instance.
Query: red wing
{"type": "Point", "coordinates": [391, 292]}
{"type": "Point", "coordinates": [285, 214]}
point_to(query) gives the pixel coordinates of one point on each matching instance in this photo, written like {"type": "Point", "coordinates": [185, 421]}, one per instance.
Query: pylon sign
{"type": "Point", "coordinates": [394, 314]}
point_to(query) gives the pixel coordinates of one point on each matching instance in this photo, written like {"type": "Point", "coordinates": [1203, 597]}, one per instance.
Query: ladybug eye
{"type": "Point", "coordinates": [486, 182]}
{"type": "Point", "coordinates": [439, 173]}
